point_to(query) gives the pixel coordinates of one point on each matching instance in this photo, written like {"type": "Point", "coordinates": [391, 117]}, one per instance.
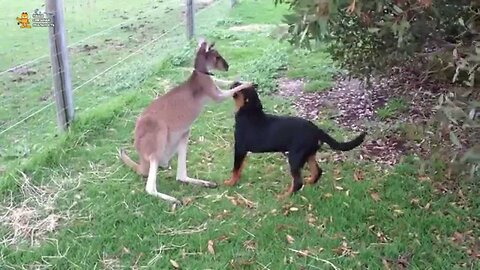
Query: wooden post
{"type": "Point", "coordinates": [62, 84]}
{"type": "Point", "coordinates": [189, 17]}
{"type": "Point", "coordinates": [233, 3]}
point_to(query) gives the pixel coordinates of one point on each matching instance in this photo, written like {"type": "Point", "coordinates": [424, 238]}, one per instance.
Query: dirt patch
{"type": "Point", "coordinates": [23, 71]}
{"type": "Point", "coordinates": [354, 106]}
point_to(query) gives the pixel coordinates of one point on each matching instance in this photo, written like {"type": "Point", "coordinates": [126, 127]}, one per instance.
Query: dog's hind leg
{"type": "Point", "coordinates": [182, 165]}
{"type": "Point", "coordinates": [315, 170]}
{"type": "Point", "coordinates": [151, 186]}
{"type": "Point", "coordinates": [238, 165]}
{"type": "Point", "coordinates": [296, 162]}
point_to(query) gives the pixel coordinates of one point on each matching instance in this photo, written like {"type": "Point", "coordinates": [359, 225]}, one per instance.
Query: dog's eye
{"type": "Point", "coordinates": [235, 95]}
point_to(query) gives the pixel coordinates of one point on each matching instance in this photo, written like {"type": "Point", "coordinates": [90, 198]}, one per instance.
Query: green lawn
{"type": "Point", "coordinates": [90, 211]}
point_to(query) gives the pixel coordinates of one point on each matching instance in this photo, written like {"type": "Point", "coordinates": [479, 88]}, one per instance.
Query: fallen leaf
{"type": "Point", "coordinates": [345, 250]}
{"type": "Point", "coordinates": [338, 188]}
{"type": "Point", "coordinates": [398, 211]}
{"type": "Point", "coordinates": [239, 200]}
{"type": "Point", "coordinates": [423, 178]}
{"type": "Point", "coordinates": [415, 201]}
{"type": "Point", "coordinates": [303, 253]}
{"type": "Point", "coordinates": [293, 209]}
{"type": "Point", "coordinates": [458, 238]}
{"type": "Point", "coordinates": [386, 265]}
{"type": "Point", "coordinates": [223, 238]}
{"type": "Point", "coordinates": [210, 248]}
{"type": "Point", "coordinates": [175, 264]}
{"type": "Point", "coordinates": [290, 239]}
{"type": "Point", "coordinates": [223, 215]}
{"type": "Point", "coordinates": [403, 261]}
{"type": "Point", "coordinates": [382, 237]}
{"type": "Point", "coordinates": [337, 175]}
{"type": "Point", "coordinates": [250, 245]}
{"type": "Point", "coordinates": [358, 175]}
{"type": "Point", "coordinates": [327, 195]}
{"type": "Point", "coordinates": [241, 263]}
{"type": "Point", "coordinates": [187, 200]}
{"type": "Point", "coordinates": [427, 206]}
{"type": "Point", "coordinates": [375, 196]}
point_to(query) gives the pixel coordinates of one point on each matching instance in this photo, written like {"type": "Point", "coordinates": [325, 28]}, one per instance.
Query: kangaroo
{"type": "Point", "coordinates": [163, 128]}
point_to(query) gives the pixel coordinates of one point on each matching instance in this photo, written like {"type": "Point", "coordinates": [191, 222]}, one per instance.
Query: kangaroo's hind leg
{"type": "Point", "coordinates": [151, 186]}
{"type": "Point", "coordinates": [182, 165]}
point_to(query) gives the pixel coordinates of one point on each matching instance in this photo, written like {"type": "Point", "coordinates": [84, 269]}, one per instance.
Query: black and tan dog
{"type": "Point", "coordinates": [259, 132]}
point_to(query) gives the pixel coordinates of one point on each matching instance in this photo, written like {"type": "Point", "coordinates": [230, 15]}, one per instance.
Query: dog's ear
{"type": "Point", "coordinates": [252, 101]}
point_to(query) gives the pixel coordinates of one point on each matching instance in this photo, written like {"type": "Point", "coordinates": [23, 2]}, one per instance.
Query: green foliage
{"type": "Point", "coordinates": [393, 106]}
{"type": "Point", "coordinates": [464, 119]}
{"type": "Point", "coordinates": [264, 70]}
{"type": "Point", "coordinates": [374, 35]}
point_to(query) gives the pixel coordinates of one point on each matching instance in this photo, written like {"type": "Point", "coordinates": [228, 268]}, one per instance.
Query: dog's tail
{"type": "Point", "coordinates": [342, 146]}
{"type": "Point", "coordinates": [127, 160]}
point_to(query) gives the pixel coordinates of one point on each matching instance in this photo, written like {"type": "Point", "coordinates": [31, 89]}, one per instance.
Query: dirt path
{"type": "Point", "coordinates": [354, 106]}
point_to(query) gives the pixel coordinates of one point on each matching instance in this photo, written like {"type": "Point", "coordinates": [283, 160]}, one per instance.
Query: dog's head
{"type": "Point", "coordinates": [247, 99]}
{"type": "Point", "coordinates": [207, 56]}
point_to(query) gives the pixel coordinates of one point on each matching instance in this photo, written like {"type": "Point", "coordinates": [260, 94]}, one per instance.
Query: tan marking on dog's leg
{"type": "Point", "coordinates": [151, 187]}
{"type": "Point", "coordinates": [182, 166]}
{"type": "Point", "coordinates": [293, 187]}
{"type": "Point", "coordinates": [315, 170]}
{"type": "Point", "coordinates": [235, 175]}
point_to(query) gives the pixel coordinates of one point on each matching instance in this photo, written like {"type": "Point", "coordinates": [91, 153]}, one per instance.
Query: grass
{"type": "Point", "coordinates": [316, 68]}
{"type": "Point", "coordinates": [358, 216]}
{"type": "Point", "coordinates": [393, 106]}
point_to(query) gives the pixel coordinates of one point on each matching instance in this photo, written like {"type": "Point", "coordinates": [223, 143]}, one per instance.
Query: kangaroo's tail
{"type": "Point", "coordinates": [342, 146]}
{"type": "Point", "coordinates": [127, 160]}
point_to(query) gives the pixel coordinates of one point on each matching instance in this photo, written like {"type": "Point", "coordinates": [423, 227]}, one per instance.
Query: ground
{"type": "Point", "coordinates": [73, 204]}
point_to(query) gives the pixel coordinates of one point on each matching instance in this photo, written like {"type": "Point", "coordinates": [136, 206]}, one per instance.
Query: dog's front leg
{"type": "Point", "coordinates": [182, 165]}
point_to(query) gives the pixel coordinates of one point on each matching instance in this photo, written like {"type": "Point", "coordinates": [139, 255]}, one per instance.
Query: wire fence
{"type": "Point", "coordinates": [104, 61]}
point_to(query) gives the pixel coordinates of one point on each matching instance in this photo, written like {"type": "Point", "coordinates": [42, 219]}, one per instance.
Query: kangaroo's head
{"type": "Point", "coordinates": [208, 58]}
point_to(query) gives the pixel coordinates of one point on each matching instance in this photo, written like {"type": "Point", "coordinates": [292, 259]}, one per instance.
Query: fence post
{"type": "Point", "coordinates": [233, 3]}
{"type": "Point", "coordinates": [62, 83]}
{"type": "Point", "coordinates": [190, 22]}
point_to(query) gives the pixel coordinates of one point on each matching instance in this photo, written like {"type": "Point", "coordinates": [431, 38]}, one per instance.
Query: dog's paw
{"type": "Point", "coordinates": [229, 182]}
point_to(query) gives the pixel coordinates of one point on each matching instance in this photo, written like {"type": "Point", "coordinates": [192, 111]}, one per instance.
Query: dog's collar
{"type": "Point", "coordinates": [205, 72]}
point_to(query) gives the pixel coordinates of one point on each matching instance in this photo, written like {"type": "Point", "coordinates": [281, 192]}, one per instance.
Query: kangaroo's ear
{"type": "Point", "coordinates": [202, 44]}
{"type": "Point", "coordinates": [211, 46]}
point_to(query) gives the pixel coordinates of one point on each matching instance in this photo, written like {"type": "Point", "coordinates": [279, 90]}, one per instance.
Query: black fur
{"type": "Point", "coordinates": [259, 132]}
